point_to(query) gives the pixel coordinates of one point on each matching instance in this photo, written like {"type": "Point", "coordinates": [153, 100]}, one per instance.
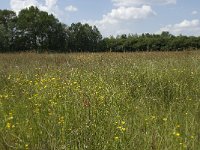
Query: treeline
{"type": "Point", "coordinates": [36, 30]}
{"type": "Point", "coordinates": [152, 42]}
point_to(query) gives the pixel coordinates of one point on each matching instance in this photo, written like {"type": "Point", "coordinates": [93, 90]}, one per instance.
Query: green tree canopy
{"type": "Point", "coordinates": [7, 29]}
{"type": "Point", "coordinates": [34, 29]}
{"type": "Point", "coordinates": [39, 30]}
{"type": "Point", "coordinates": [83, 37]}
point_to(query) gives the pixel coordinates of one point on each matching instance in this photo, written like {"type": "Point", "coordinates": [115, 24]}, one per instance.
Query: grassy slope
{"type": "Point", "coordinates": [100, 101]}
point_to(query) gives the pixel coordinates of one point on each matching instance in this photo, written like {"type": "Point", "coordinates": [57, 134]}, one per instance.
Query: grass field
{"type": "Point", "coordinates": [102, 101]}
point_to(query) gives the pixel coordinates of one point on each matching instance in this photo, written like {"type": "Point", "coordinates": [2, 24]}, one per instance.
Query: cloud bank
{"type": "Point", "coordinates": [189, 27]}
{"type": "Point", "coordinates": [50, 6]}
{"type": "Point", "coordinates": [115, 21]}
{"type": "Point", "coordinates": [126, 12]}
{"type": "Point", "coordinates": [142, 2]}
{"type": "Point", "coordinates": [46, 5]}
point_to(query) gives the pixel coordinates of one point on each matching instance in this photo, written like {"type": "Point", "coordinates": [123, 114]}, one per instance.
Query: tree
{"type": "Point", "coordinates": [37, 30]}
{"type": "Point", "coordinates": [34, 29]}
{"type": "Point", "coordinates": [7, 30]}
{"type": "Point", "coordinates": [83, 37]}
{"type": "Point", "coordinates": [3, 38]}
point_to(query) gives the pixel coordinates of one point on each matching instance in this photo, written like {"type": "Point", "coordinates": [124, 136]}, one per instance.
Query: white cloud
{"type": "Point", "coordinates": [194, 12]}
{"type": "Point", "coordinates": [122, 18]}
{"type": "Point", "coordinates": [117, 20]}
{"type": "Point", "coordinates": [71, 8]}
{"type": "Point", "coordinates": [129, 13]}
{"type": "Point", "coordinates": [50, 3]}
{"type": "Point", "coordinates": [185, 27]}
{"type": "Point", "coordinates": [17, 5]}
{"type": "Point", "coordinates": [141, 2]}
{"type": "Point", "coordinates": [46, 5]}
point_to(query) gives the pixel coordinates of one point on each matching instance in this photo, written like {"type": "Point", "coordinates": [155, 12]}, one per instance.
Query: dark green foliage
{"type": "Point", "coordinates": [152, 42]}
{"type": "Point", "coordinates": [83, 37]}
{"type": "Point", "coordinates": [35, 30]}
{"type": "Point", "coordinates": [7, 30]}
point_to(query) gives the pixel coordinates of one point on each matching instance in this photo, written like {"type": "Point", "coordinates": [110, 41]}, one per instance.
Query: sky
{"type": "Point", "coordinates": [114, 17]}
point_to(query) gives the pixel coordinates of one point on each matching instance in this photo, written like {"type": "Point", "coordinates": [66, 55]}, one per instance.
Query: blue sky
{"type": "Point", "coordinates": [114, 17]}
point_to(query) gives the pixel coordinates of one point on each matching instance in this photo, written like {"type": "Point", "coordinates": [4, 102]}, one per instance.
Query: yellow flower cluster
{"type": "Point", "coordinates": [61, 120]}
{"type": "Point", "coordinates": [9, 123]}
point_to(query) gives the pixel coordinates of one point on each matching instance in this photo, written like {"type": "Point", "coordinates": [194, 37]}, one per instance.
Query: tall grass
{"type": "Point", "coordinates": [100, 101]}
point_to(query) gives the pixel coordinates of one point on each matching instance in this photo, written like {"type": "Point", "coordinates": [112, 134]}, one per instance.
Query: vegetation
{"type": "Point", "coordinates": [95, 101]}
{"type": "Point", "coordinates": [35, 30]}
{"type": "Point", "coordinates": [100, 101]}
{"type": "Point", "coordinates": [152, 42]}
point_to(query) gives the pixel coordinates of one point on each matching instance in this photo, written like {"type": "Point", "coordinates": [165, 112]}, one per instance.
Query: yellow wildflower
{"type": "Point", "coordinates": [8, 125]}
{"type": "Point", "coordinates": [123, 129]}
{"type": "Point", "coordinates": [61, 120]}
{"type": "Point", "coordinates": [26, 146]}
{"type": "Point", "coordinates": [177, 134]}
{"type": "Point", "coordinates": [116, 138]}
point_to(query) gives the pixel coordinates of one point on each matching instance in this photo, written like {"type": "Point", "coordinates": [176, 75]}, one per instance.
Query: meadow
{"type": "Point", "coordinates": [100, 101]}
